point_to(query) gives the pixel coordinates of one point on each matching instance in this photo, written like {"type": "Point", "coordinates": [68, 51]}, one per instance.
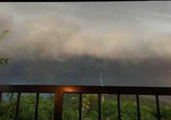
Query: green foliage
{"type": "Point", "coordinates": [89, 108]}
{"type": "Point", "coordinates": [3, 34]}
{"type": "Point", "coordinates": [6, 110]}
{"type": "Point", "coordinates": [27, 108]}
{"type": "Point", "coordinates": [4, 61]}
{"type": "Point", "coordinates": [129, 110]}
{"type": "Point", "coordinates": [46, 108]}
{"type": "Point", "coordinates": [147, 113]}
{"type": "Point", "coordinates": [166, 113]}
{"type": "Point", "coordinates": [109, 110]}
{"type": "Point", "coordinates": [70, 107]}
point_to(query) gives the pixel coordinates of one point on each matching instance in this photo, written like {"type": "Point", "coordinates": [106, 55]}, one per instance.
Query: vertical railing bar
{"type": "Point", "coordinates": [37, 105]}
{"type": "Point", "coordinates": [80, 106]}
{"type": "Point", "coordinates": [138, 107]}
{"type": "Point", "coordinates": [119, 109]}
{"type": "Point", "coordinates": [158, 107]}
{"type": "Point", "coordinates": [17, 106]}
{"type": "Point", "coordinates": [58, 105]}
{"type": "Point", "coordinates": [99, 106]}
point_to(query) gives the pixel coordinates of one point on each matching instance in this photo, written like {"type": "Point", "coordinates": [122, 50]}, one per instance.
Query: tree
{"type": "Point", "coordinates": [4, 60]}
{"type": "Point", "coordinates": [27, 108]}
{"type": "Point", "coordinates": [89, 107]}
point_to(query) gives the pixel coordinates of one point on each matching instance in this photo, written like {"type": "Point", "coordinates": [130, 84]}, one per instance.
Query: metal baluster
{"type": "Point", "coordinates": [80, 106]}
{"type": "Point", "coordinates": [99, 106]}
{"type": "Point", "coordinates": [158, 108]}
{"type": "Point", "coordinates": [138, 107]}
{"type": "Point", "coordinates": [119, 109]}
{"type": "Point", "coordinates": [17, 106]}
{"type": "Point", "coordinates": [37, 105]}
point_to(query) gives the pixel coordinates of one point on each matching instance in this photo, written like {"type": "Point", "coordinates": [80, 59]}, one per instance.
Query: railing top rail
{"type": "Point", "coordinates": [86, 89]}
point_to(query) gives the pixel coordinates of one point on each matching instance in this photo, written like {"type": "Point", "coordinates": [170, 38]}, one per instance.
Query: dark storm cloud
{"type": "Point", "coordinates": [129, 32]}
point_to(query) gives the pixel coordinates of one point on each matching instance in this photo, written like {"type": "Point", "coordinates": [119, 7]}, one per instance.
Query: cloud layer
{"type": "Point", "coordinates": [45, 35]}
{"type": "Point", "coordinates": [55, 37]}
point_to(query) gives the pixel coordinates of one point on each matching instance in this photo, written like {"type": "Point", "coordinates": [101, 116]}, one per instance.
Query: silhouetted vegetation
{"type": "Point", "coordinates": [3, 60]}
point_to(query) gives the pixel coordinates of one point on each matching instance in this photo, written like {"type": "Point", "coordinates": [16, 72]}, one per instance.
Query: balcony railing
{"type": "Point", "coordinates": [59, 92]}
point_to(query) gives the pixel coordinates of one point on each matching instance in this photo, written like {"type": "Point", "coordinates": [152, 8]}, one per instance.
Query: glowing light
{"type": "Point", "coordinates": [69, 89]}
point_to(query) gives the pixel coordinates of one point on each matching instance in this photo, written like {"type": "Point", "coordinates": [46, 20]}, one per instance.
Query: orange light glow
{"type": "Point", "coordinates": [69, 89]}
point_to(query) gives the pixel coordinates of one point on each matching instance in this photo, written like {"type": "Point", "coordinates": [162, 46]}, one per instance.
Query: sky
{"type": "Point", "coordinates": [133, 32]}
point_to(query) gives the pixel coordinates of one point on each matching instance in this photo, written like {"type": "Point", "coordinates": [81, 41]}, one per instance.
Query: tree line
{"type": "Point", "coordinates": [89, 108]}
